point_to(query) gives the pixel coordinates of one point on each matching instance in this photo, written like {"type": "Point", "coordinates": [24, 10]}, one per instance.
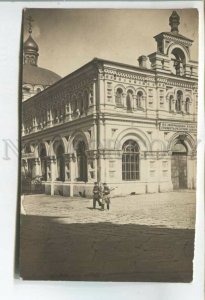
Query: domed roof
{"type": "Point", "coordinates": [30, 44]}
{"type": "Point", "coordinates": [35, 75]}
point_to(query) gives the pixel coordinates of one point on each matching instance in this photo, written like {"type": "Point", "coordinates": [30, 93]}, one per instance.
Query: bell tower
{"type": "Point", "coordinates": [173, 52]}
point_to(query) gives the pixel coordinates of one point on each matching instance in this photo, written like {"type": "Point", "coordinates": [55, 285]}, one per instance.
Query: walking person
{"type": "Point", "coordinates": [97, 194]}
{"type": "Point", "coordinates": [106, 197]}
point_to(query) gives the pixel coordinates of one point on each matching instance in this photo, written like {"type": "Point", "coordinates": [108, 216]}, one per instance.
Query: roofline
{"type": "Point", "coordinates": [91, 62]}
{"type": "Point", "coordinates": [180, 36]}
{"type": "Point", "coordinates": [95, 60]}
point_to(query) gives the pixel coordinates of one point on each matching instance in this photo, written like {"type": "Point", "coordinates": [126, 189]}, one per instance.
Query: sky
{"type": "Point", "coordinates": [69, 38]}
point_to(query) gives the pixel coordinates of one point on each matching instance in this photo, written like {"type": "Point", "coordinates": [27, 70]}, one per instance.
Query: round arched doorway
{"type": "Point", "coordinates": [179, 165]}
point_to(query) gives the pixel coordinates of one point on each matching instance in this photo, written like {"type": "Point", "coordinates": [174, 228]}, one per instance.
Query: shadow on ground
{"type": "Point", "coordinates": [51, 250]}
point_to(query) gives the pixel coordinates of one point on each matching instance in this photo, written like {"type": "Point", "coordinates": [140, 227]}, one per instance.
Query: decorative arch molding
{"type": "Point", "coordinates": [186, 138]}
{"type": "Point", "coordinates": [169, 94]}
{"type": "Point", "coordinates": [75, 138]}
{"type": "Point", "coordinates": [141, 89]}
{"type": "Point", "coordinates": [135, 134]}
{"type": "Point", "coordinates": [188, 95]}
{"type": "Point", "coordinates": [27, 148]}
{"type": "Point", "coordinates": [42, 144]}
{"type": "Point", "coordinates": [177, 90]}
{"type": "Point", "coordinates": [28, 86]}
{"type": "Point", "coordinates": [120, 86]}
{"type": "Point", "coordinates": [131, 88]}
{"type": "Point", "coordinates": [181, 47]}
{"type": "Point", "coordinates": [55, 142]}
{"type": "Point", "coordinates": [38, 86]}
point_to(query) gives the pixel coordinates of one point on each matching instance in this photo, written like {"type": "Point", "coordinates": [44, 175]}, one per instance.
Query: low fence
{"type": "Point", "coordinates": [32, 187]}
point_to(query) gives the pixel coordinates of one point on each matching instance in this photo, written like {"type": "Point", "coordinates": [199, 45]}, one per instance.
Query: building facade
{"type": "Point", "coordinates": [133, 127]}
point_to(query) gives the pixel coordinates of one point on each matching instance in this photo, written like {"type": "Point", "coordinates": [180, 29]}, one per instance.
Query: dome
{"type": "Point", "coordinates": [30, 44]}
{"type": "Point", "coordinates": [35, 75]}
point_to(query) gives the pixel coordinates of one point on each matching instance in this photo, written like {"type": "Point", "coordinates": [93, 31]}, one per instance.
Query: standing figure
{"type": "Point", "coordinates": [97, 191]}
{"type": "Point", "coordinates": [106, 197]}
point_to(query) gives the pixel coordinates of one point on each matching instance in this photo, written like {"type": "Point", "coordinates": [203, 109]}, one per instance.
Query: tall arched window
{"type": "Point", "coordinates": [187, 105]}
{"type": "Point", "coordinates": [170, 103]}
{"type": "Point", "coordinates": [139, 99]}
{"type": "Point", "coordinates": [178, 103]}
{"type": "Point", "coordinates": [43, 163]}
{"type": "Point", "coordinates": [82, 161]}
{"type": "Point", "coordinates": [179, 61]}
{"type": "Point", "coordinates": [119, 97]}
{"type": "Point", "coordinates": [86, 101]}
{"type": "Point", "coordinates": [130, 161]}
{"type": "Point", "coordinates": [129, 98]}
{"type": "Point", "coordinates": [60, 163]}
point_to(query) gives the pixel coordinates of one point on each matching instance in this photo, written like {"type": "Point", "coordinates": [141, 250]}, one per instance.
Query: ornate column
{"type": "Point", "coordinates": [134, 102]}
{"type": "Point", "coordinates": [36, 166]}
{"type": "Point", "coordinates": [51, 171]}
{"type": "Point", "coordinates": [124, 104]}
{"type": "Point", "coordinates": [68, 113]}
{"type": "Point", "coordinates": [67, 159]}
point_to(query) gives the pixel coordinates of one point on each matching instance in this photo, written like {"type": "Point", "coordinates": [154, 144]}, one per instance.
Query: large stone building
{"type": "Point", "coordinates": [133, 127]}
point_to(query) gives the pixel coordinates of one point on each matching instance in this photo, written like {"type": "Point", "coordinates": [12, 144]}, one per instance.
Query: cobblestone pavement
{"type": "Point", "coordinates": [172, 210]}
{"type": "Point", "coordinates": [142, 238]}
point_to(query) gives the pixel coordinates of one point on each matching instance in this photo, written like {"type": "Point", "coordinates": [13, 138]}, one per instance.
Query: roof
{"type": "Point", "coordinates": [36, 75]}
{"type": "Point", "coordinates": [176, 35]}
{"type": "Point", "coordinates": [30, 44]}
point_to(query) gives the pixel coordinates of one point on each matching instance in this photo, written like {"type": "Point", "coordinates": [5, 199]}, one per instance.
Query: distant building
{"type": "Point", "coordinates": [132, 127]}
{"type": "Point", "coordinates": [35, 79]}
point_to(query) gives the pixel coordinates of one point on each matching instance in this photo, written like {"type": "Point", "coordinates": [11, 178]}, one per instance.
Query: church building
{"type": "Point", "coordinates": [133, 127]}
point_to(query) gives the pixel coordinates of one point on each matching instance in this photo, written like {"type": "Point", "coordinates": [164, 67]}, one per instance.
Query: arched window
{"type": "Point", "coordinates": [139, 99]}
{"type": "Point", "coordinates": [170, 103]}
{"type": "Point", "coordinates": [119, 97]}
{"type": "Point", "coordinates": [178, 103]}
{"type": "Point", "coordinates": [187, 105]}
{"type": "Point", "coordinates": [130, 161]}
{"type": "Point", "coordinates": [178, 61]}
{"type": "Point", "coordinates": [73, 104]}
{"type": "Point", "coordinates": [86, 101]}
{"type": "Point", "coordinates": [60, 163]}
{"type": "Point", "coordinates": [38, 90]}
{"type": "Point", "coordinates": [82, 161]}
{"type": "Point", "coordinates": [129, 100]}
{"type": "Point", "coordinates": [80, 104]}
{"type": "Point", "coordinates": [55, 114]}
{"type": "Point", "coordinates": [43, 164]}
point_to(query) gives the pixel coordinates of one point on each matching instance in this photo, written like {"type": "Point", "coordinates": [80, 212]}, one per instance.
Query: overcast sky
{"type": "Point", "coordinates": [69, 38]}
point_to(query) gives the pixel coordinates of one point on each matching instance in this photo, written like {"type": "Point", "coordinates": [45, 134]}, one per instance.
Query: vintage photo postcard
{"type": "Point", "coordinates": [108, 144]}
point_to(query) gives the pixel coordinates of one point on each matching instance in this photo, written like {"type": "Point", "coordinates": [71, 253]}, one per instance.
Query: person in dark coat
{"type": "Point", "coordinates": [106, 196]}
{"type": "Point", "coordinates": [97, 194]}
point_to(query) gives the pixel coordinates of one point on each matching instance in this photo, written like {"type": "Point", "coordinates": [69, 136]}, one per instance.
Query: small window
{"type": "Point", "coordinates": [171, 98]}
{"type": "Point", "coordinates": [178, 103]}
{"type": "Point", "coordinates": [187, 105]}
{"type": "Point", "coordinates": [139, 99]}
{"type": "Point", "coordinates": [129, 100]}
{"type": "Point", "coordinates": [119, 97]}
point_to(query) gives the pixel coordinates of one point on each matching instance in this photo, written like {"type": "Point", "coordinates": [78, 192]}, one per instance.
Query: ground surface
{"type": "Point", "coordinates": [142, 238]}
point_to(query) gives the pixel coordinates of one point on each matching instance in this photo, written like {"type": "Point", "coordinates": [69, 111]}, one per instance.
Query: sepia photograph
{"type": "Point", "coordinates": [108, 137]}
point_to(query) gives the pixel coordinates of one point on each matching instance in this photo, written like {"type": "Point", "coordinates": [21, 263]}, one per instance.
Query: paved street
{"type": "Point", "coordinates": [142, 238]}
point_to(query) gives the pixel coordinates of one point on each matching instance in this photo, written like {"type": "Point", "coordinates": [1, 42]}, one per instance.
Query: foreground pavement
{"type": "Point", "coordinates": [142, 238]}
